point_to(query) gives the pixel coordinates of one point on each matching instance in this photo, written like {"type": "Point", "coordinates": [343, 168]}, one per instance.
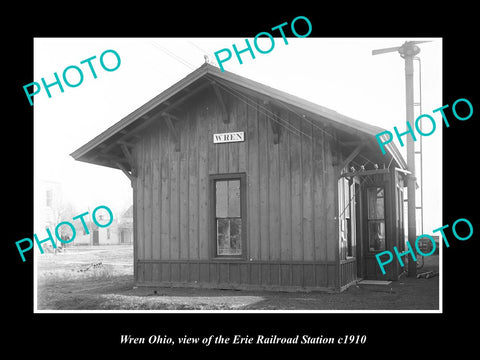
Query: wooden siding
{"type": "Point", "coordinates": [291, 235]}
{"type": "Point", "coordinates": [238, 274]}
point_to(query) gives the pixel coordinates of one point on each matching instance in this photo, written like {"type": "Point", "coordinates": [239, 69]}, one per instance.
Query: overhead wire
{"type": "Point", "coordinates": [173, 55]}
{"type": "Point", "coordinates": [264, 110]}
{"type": "Point", "coordinates": [355, 194]}
{"type": "Point", "coordinates": [324, 131]}
{"type": "Point", "coordinates": [198, 47]}
{"type": "Point", "coordinates": [304, 118]}
{"type": "Point", "coordinates": [230, 90]}
{"type": "Point", "coordinates": [361, 181]}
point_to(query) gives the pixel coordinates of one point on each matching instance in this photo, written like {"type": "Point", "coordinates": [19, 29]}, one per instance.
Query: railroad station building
{"type": "Point", "coordinates": [239, 185]}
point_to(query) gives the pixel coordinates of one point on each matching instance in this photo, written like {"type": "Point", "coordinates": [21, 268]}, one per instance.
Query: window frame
{"type": "Point", "coordinates": [213, 178]}
{"type": "Point", "coordinates": [49, 198]}
{"type": "Point", "coordinates": [384, 219]}
{"type": "Point", "coordinates": [350, 221]}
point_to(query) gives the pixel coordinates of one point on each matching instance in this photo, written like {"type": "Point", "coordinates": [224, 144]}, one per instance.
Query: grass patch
{"type": "Point", "coordinates": [74, 272]}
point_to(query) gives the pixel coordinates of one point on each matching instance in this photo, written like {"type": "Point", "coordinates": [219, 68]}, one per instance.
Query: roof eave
{"type": "Point", "coordinates": [138, 113]}
{"type": "Point", "coordinates": [331, 115]}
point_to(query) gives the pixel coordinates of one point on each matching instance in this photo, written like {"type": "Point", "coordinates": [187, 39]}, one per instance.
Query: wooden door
{"type": "Point", "coordinates": [374, 222]}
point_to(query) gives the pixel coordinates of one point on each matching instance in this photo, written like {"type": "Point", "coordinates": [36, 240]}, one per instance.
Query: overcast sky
{"type": "Point", "coordinates": [337, 73]}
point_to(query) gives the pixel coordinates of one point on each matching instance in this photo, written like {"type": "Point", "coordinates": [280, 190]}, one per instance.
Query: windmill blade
{"type": "Point", "coordinates": [393, 49]}
{"type": "Point", "coordinates": [419, 42]}
{"type": "Point", "coordinates": [386, 50]}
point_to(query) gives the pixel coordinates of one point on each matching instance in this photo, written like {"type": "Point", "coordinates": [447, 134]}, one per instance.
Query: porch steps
{"type": "Point", "coordinates": [375, 285]}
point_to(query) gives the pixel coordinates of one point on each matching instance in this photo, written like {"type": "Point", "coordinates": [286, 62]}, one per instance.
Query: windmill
{"type": "Point", "coordinates": [408, 51]}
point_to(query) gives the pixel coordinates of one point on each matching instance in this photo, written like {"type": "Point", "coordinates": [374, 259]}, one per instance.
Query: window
{"type": "Point", "coordinates": [351, 215]}
{"type": "Point", "coordinates": [376, 218]}
{"type": "Point", "coordinates": [347, 216]}
{"type": "Point", "coordinates": [228, 216]}
{"type": "Point", "coordinates": [349, 203]}
{"type": "Point", "coordinates": [49, 198]}
{"type": "Point", "coordinates": [400, 223]}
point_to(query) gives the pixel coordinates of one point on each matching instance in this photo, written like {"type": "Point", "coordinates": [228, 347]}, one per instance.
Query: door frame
{"type": "Point", "coordinates": [368, 267]}
{"type": "Point", "coordinates": [358, 188]}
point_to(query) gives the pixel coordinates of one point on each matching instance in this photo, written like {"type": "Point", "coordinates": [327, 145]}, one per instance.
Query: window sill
{"type": "Point", "coordinates": [228, 258]}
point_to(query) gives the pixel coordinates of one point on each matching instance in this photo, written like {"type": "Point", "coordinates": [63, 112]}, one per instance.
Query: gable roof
{"type": "Point", "coordinates": [106, 148]}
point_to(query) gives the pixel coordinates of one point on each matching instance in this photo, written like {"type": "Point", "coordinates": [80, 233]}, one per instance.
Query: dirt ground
{"type": "Point", "coordinates": [101, 278]}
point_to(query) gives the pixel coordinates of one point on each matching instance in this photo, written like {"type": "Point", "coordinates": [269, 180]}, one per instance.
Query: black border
{"type": "Point", "coordinates": [90, 334]}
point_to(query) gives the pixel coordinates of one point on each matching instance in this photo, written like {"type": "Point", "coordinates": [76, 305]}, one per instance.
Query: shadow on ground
{"type": "Point", "coordinates": [119, 293]}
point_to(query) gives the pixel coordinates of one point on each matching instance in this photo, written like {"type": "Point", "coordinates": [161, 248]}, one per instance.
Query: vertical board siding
{"type": "Point", "coordinates": [329, 215]}
{"type": "Point", "coordinates": [184, 194]}
{"type": "Point", "coordinates": [307, 194]}
{"type": "Point", "coordinates": [139, 199]}
{"type": "Point", "coordinates": [253, 183]}
{"type": "Point", "coordinates": [285, 190]}
{"type": "Point", "coordinates": [165, 194]}
{"type": "Point", "coordinates": [174, 215]}
{"type": "Point", "coordinates": [296, 191]}
{"type": "Point", "coordinates": [263, 166]}
{"type": "Point", "coordinates": [156, 196]}
{"type": "Point", "coordinates": [147, 199]}
{"type": "Point", "coordinates": [232, 148]}
{"type": "Point", "coordinates": [242, 124]}
{"type": "Point", "coordinates": [290, 195]}
{"type": "Point", "coordinates": [238, 274]}
{"type": "Point", "coordinates": [319, 227]}
{"type": "Point", "coordinates": [193, 190]}
{"type": "Point", "coordinates": [273, 188]}
{"type": "Point", "coordinates": [203, 218]}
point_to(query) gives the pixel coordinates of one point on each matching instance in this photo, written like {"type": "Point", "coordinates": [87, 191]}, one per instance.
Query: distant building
{"type": "Point", "coordinates": [119, 232]}
{"type": "Point", "coordinates": [48, 197]}
{"type": "Point", "coordinates": [97, 235]}
{"type": "Point", "coordinates": [125, 227]}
